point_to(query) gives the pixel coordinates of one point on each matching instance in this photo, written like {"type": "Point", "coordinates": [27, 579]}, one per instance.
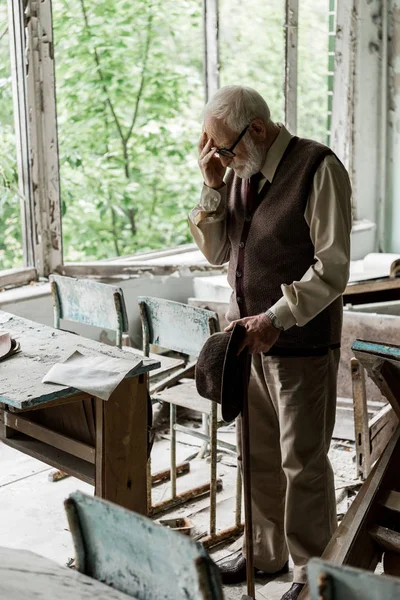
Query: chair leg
{"type": "Point", "coordinates": [361, 427]}
{"type": "Point", "coordinates": [149, 486]}
{"type": "Point", "coordinates": [206, 432]}
{"type": "Point", "coordinates": [173, 449]}
{"type": "Point", "coordinates": [213, 448]}
{"type": "Point", "coordinates": [238, 509]}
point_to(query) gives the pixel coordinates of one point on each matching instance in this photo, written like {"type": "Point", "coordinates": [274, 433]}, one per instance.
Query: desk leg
{"type": "Point", "coordinates": [121, 445]}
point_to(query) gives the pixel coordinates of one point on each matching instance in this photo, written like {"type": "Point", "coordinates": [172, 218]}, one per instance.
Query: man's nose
{"type": "Point", "coordinates": [225, 160]}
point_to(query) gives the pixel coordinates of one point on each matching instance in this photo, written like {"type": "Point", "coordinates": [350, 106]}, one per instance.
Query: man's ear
{"type": "Point", "coordinates": [258, 130]}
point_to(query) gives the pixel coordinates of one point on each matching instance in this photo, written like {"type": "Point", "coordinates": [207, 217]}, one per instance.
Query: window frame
{"type": "Point", "coordinates": [34, 95]}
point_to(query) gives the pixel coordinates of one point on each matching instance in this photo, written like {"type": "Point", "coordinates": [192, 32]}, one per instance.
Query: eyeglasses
{"type": "Point", "coordinates": [228, 152]}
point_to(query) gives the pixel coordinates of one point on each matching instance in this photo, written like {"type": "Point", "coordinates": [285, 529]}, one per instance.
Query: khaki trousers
{"type": "Point", "coordinates": [292, 406]}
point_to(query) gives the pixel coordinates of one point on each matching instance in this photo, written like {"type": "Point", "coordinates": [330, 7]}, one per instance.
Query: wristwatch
{"type": "Point", "coordinates": [274, 320]}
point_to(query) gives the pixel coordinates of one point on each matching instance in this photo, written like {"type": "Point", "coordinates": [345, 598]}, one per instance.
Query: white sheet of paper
{"type": "Point", "coordinates": [96, 375]}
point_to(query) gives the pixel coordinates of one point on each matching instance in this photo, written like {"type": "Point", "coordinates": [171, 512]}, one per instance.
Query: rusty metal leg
{"type": "Point", "coordinates": [206, 434]}
{"type": "Point", "coordinates": [149, 485]}
{"type": "Point", "coordinates": [361, 428]}
{"type": "Point", "coordinates": [213, 447]}
{"type": "Point", "coordinates": [173, 449]}
{"type": "Point", "coordinates": [238, 510]}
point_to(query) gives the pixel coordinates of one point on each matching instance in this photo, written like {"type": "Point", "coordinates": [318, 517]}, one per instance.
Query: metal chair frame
{"type": "Point", "coordinates": [184, 329]}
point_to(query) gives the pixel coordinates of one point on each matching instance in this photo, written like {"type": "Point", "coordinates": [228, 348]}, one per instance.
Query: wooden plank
{"type": "Point", "coordinates": [24, 575]}
{"type": "Point", "coordinates": [345, 546]}
{"type": "Point", "coordinates": [41, 347]}
{"type": "Point", "coordinates": [119, 269]}
{"type": "Point", "coordinates": [391, 499]}
{"type": "Point", "coordinates": [291, 51]}
{"type": "Point", "coordinates": [171, 380]}
{"type": "Point", "coordinates": [168, 364]}
{"type": "Point", "coordinates": [52, 456]}
{"type": "Point", "coordinates": [382, 362]}
{"type": "Point", "coordinates": [121, 445]}
{"type": "Point", "coordinates": [386, 538]}
{"type": "Point", "coordinates": [19, 276]}
{"type": "Point", "coordinates": [366, 326]}
{"type": "Point", "coordinates": [43, 434]}
{"type": "Point", "coordinates": [382, 428]}
{"type": "Point", "coordinates": [43, 142]}
{"type": "Point", "coordinates": [361, 428]}
{"type": "Point", "coordinates": [391, 564]}
{"type": "Point", "coordinates": [382, 418]}
{"type": "Point", "coordinates": [69, 420]}
{"type": "Point", "coordinates": [186, 395]}
{"type": "Point", "coordinates": [351, 543]}
{"type": "Point", "coordinates": [372, 285]}
{"type": "Point", "coordinates": [78, 396]}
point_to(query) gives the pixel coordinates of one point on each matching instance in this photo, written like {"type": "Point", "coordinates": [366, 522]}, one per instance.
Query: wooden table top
{"type": "Point", "coordinates": [24, 575]}
{"type": "Point", "coordinates": [41, 347]}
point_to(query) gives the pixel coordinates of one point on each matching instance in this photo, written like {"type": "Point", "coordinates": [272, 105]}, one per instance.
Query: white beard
{"type": "Point", "coordinates": [253, 164]}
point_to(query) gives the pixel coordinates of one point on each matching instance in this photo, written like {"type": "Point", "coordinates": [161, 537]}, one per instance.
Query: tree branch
{"type": "Point", "coordinates": [100, 72]}
{"type": "Point", "coordinates": [142, 76]}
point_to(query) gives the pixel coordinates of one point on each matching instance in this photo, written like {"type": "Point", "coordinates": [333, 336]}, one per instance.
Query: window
{"type": "Point", "coordinates": [10, 215]}
{"type": "Point", "coordinates": [130, 90]}
{"type": "Point", "coordinates": [313, 48]}
{"type": "Point", "coordinates": [129, 87]}
{"type": "Point", "coordinates": [252, 48]}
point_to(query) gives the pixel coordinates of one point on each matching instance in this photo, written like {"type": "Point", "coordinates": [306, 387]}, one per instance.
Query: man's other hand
{"type": "Point", "coordinates": [210, 165]}
{"type": "Point", "coordinates": [261, 335]}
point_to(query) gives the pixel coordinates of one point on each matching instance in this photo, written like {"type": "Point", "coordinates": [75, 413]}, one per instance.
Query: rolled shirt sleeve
{"type": "Point", "coordinates": [207, 222]}
{"type": "Point", "coordinates": [328, 214]}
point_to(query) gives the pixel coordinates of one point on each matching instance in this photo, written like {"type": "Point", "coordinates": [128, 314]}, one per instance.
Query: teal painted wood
{"type": "Point", "coordinates": [41, 347]}
{"type": "Point", "coordinates": [384, 350]}
{"type": "Point", "coordinates": [175, 326]}
{"type": "Point", "coordinates": [134, 555]}
{"type": "Point", "coordinates": [89, 302]}
{"type": "Point", "coordinates": [25, 575]}
{"type": "Point", "coordinates": [349, 583]}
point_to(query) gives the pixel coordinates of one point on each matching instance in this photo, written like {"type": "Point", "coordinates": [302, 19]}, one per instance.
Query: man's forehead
{"type": "Point", "coordinates": [217, 129]}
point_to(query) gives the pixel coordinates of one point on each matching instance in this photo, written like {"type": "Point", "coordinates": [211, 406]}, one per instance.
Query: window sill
{"type": "Point", "coordinates": [23, 293]}
{"type": "Point", "coordinates": [18, 276]}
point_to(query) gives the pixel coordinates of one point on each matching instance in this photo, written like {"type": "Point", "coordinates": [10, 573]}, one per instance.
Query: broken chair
{"type": "Point", "coordinates": [184, 329]}
{"type": "Point", "coordinates": [135, 556]}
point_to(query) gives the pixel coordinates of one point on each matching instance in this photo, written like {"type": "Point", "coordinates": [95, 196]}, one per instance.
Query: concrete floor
{"type": "Point", "coordinates": [32, 514]}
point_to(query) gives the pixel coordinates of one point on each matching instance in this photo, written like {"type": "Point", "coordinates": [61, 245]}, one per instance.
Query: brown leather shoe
{"type": "Point", "coordinates": [294, 592]}
{"type": "Point", "coordinates": [234, 570]}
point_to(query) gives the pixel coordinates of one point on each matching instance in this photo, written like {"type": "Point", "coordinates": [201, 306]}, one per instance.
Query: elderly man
{"type": "Point", "coordinates": [281, 216]}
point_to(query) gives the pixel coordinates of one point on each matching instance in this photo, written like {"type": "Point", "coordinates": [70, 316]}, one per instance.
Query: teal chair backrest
{"type": "Point", "coordinates": [339, 582]}
{"type": "Point", "coordinates": [175, 326]}
{"type": "Point", "coordinates": [89, 302]}
{"type": "Point", "coordinates": [136, 556]}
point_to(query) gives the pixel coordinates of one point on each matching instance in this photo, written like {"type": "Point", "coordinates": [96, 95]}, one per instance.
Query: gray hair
{"type": "Point", "coordinates": [237, 106]}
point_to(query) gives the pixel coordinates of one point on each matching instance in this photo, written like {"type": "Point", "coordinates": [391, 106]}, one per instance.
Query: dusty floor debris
{"type": "Point", "coordinates": [32, 506]}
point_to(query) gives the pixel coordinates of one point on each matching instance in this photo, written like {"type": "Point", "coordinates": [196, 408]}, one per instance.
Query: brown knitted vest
{"type": "Point", "coordinates": [271, 245]}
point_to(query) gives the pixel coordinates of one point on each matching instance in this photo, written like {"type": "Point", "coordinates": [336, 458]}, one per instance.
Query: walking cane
{"type": "Point", "coordinates": [248, 520]}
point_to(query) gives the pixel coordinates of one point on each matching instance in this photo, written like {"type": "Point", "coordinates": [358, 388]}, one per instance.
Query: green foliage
{"type": "Point", "coordinates": [129, 81]}
{"type": "Point", "coordinates": [10, 221]}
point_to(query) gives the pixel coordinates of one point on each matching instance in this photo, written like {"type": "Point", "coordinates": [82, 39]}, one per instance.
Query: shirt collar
{"type": "Point", "coordinates": [275, 153]}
